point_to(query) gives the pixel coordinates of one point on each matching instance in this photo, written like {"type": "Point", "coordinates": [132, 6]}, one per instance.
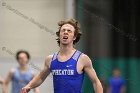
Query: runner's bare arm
{"type": "Point", "coordinates": [88, 68]}
{"type": "Point", "coordinates": [36, 90]}
{"type": "Point", "coordinates": [2, 82]}
{"type": "Point", "coordinates": [39, 79]}
{"type": "Point", "coordinates": [7, 80]}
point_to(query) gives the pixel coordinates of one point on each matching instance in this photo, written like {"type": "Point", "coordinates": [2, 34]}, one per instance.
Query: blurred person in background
{"type": "Point", "coordinates": [116, 83]}
{"type": "Point", "coordinates": [1, 82]}
{"type": "Point", "coordinates": [68, 65]}
{"type": "Point", "coordinates": [21, 75]}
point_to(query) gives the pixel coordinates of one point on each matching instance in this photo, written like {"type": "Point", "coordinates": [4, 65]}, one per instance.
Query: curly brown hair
{"type": "Point", "coordinates": [76, 26]}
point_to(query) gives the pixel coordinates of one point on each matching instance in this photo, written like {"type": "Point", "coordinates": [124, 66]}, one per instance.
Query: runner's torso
{"type": "Point", "coordinates": [66, 79]}
{"type": "Point", "coordinates": [19, 79]}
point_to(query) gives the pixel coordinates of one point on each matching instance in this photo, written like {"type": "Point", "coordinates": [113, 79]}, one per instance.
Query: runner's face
{"type": "Point", "coordinates": [22, 59]}
{"type": "Point", "coordinates": [67, 34]}
{"type": "Point", "coordinates": [116, 73]}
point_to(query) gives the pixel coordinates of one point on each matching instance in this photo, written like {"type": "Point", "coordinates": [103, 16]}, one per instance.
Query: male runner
{"type": "Point", "coordinates": [116, 83]}
{"type": "Point", "coordinates": [68, 65]}
{"type": "Point", "coordinates": [21, 75]}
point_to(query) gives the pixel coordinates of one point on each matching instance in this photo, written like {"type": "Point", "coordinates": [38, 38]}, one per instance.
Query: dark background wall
{"type": "Point", "coordinates": [111, 37]}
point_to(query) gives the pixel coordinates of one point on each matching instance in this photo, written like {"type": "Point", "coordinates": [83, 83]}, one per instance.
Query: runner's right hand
{"type": "Point", "coordinates": [25, 90]}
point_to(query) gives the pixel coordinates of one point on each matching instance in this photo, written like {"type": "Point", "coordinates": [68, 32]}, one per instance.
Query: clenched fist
{"type": "Point", "coordinates": [25, 90]}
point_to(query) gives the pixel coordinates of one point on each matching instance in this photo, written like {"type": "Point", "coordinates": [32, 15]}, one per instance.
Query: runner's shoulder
{"type": "Point", "coordinates": [85, 59]}
{"type": "Point", "coordinates": [12, 71]}
{"type": "Point", "coordinates": [48, 59]}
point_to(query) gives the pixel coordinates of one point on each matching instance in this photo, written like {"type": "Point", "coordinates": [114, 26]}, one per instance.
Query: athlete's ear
{"type": "Point", "coordinates": [74, 38]}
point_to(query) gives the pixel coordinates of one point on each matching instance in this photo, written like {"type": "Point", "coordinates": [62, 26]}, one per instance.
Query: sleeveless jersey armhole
{"type": "Point", "coordinates": [53, 58]}
{"type": "Point", "coordinates": [76, 56]}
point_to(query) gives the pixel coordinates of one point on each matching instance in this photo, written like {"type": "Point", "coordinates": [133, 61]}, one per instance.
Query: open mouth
{"type": "Point", "coordinates": [65, 37]}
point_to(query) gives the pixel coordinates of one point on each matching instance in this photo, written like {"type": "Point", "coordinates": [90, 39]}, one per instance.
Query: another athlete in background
{"type": "Point", "coordinates": [116, 83]}
{"type": "Point", "coordinates": [21, 75]}
{"type": "Point", "coordinates": [68, 65]}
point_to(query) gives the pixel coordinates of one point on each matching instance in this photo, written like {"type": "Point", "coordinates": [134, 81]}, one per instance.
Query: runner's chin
{"type": "Point", "coordinates": [65, 41]}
